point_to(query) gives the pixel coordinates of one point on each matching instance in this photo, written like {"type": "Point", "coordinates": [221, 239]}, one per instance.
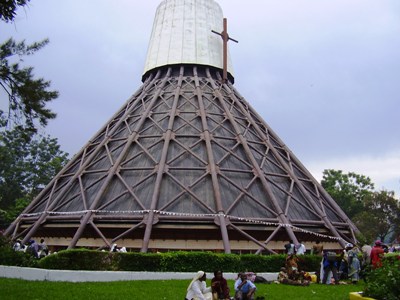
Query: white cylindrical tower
{"type": "Point", "coordinates": [182, 34]}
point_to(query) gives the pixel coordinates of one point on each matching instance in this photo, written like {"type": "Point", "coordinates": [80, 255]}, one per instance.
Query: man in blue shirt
{"type": "Point", "coordinates": [244, 289]}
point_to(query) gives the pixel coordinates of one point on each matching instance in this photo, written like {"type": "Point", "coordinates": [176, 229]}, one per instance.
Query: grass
{"type": "Point", "coordinates": [157, 289]}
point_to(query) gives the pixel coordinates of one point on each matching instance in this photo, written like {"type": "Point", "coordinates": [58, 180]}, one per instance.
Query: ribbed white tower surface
{"type": "Point", "coordinates": [182, 35]}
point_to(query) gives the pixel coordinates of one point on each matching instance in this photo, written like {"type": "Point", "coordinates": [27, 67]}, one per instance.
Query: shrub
{"type": "Point", "coordinates": [261, 263]}
{"type": "Point", "coordinates": [9, 257]}
{"type": "Point", "coordinates": [186, 261]}
{"type": "Point", "coordinates": [226, 262]}
{"type": "Point", "coordinates": [77, 259]}
{"type": "Point", "coordinates": [391, 257]}
{"type": "Point", "coordinates": [384, 282]}
{"type": "Point", "coordinates": [193, 261]}
{"type": "Point", "coordinates": [309, 263]}
{"type": "Point", "coordinates": [136, 261]}
{"type": "Point", "coordinates": [181, 261]}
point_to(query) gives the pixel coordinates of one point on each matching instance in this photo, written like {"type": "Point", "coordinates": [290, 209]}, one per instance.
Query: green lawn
{"type": "Point", "coordinates": [158, 289]}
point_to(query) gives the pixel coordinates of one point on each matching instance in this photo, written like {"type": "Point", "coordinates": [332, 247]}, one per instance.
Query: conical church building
{"type": "Point", "coordinates": [186, 163]}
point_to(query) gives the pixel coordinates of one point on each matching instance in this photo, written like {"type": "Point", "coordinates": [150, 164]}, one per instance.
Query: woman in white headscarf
{"type": "Point", "coordinates": [197, 289]}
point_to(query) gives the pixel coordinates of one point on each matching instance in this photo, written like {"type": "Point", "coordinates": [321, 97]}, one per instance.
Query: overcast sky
{"type": "Point", "coordinates": [324, 74]}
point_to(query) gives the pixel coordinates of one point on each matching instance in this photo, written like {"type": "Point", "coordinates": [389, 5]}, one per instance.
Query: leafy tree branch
{"type": "Point", "coordinates": [8, 9]}
{"type": "Point", "coordinates": [27, 96]}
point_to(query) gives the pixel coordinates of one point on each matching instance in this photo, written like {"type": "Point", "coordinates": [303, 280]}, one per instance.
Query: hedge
{"type": "Point", "coordinates": [78, 259]}
{"type": "Point", "coordinates": [181, 261]}
{"type": "Point", "coordinates": [9, 257]}
{"type": "Point", "coordinates": [194, 261]}
{"type": "Point", "coordinates": [136, 261]}
{"type": "Point", "coordinates": [384, 282]}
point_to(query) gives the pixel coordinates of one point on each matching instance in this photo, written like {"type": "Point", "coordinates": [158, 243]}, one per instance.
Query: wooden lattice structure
{"type": "Point", "coordinates": [185, 164]}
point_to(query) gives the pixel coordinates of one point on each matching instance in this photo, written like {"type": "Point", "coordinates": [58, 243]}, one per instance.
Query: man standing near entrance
{"type": "Point", "coordinates": [300, 248]}
{"type": "Point", "coordinates": [289, 248]}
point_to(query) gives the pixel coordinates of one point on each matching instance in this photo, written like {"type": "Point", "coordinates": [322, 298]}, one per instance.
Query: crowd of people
{"type": "Point", "coordinates": [37, 250]}
{"type": "Point", "coordinates": [345, 266]}
{"type": "Point", "coordinates": [115, 248]}
{"type": "Point", "coordinates": [351, 262]}
{"type": "Point", "coordinates": [335, 267]}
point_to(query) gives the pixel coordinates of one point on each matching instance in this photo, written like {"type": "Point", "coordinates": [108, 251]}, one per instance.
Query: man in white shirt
{"type": "Point", "coordinates": [289, 248]}
{"type": "Point", "coordinates": [300, 248]}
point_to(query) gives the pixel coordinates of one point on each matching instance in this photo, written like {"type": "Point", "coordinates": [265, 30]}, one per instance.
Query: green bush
{"type": "Point", "coordinates": [226, 262]}
{"type": "Point", "coordinates": [185, 261]}
{"type": "Point", "coordinates": [9, 257]}
{"type": "Point", "coordinates": [180, 261]}
{"type": "Point", "coordinates": [391, 257]}
{"type": "Point", "coordinates": [193, 261]}
{"type": "Point", "coordinates": [261, 263]}
{"type": "Point", "coordinates": [309, 263]}
{"type": "Point", "coordinates": [136, 261]}
{"type": "Point", "coordinates": [78, 259]}
{"type": "Point", "coordinates": [384, 282]}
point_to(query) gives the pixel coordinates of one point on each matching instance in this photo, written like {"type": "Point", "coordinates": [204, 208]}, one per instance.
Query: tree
{"type": "Point", "coordinates": [8, 9]}
{"type": "Point", "coordinates": [27, 96]}
{"type": "Point", "coordinates": [28, 161]}
{"type": "Point", "coordinates": [380, 217]}
{"type": "Point", "coordinates": [348, 190]}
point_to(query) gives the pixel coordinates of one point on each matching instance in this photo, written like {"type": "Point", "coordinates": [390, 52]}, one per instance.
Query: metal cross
{"type": "Point", "coordinates": [225, 39]}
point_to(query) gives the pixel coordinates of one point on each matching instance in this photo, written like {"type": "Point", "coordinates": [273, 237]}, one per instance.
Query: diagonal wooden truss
{"type": "Point", "coordinates": [186, 152]}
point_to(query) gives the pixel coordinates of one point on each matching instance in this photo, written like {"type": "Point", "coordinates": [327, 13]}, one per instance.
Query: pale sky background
{"type": "Point", "coordinates": [324, 74]}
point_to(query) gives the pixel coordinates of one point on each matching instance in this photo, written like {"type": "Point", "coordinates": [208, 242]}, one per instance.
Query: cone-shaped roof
{"type": "Point", "coordinates": [186, 163]}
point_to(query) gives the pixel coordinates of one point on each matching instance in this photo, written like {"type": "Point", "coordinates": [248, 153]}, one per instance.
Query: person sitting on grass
{"type": "Point", "coordinates": [283, 278]}
{"type": "Point", "coordinates": [219, 287]}
{"type": "Point", "coordinates": [197, 289]}
{"type": "Point", "coordinates": [292, 266]}
{"type": "Point", "coordinates": [244, 289]}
